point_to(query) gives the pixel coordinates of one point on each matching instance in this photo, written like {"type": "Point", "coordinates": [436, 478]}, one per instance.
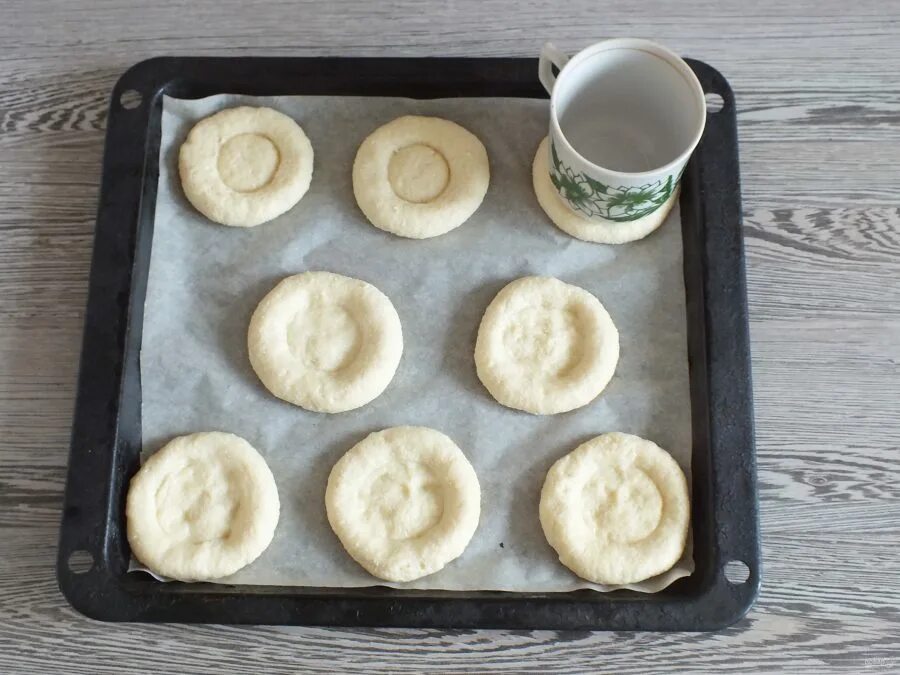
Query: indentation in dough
{"type": "Point", "coordinates": [408, 499]}
{"type": "Point", "coordinates": [545, 337]}
{"type": "Point", "coordinates": [248, 162]}
{"type": "Point", "coordinates": [627, 507]}
{"type": "Point", "coordinates": [545, 346]}
{"type": "Point", "coordinates": [325, 342]}
{"type": "Point", "coordinates": [418, 173]}
{"type": "Point", "coordinates": [197, 503]}
{"type": "Point", "coordinates": [616, 509]}
{"type": "Point", "coordinates": [202, 507]}
{"type": "Point", "coordinates": [324, 336]}
{"type": "Point", "coordinates": [404, 502]}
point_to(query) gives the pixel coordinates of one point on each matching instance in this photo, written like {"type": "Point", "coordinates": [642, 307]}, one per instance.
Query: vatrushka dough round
{"type": "Point", "coordinates": [244, 166]}
{"type": "Point", "coordinates": [545, 346]}
{"type": "Point", "coordinates": [616, 509]}
{"type": "Point", "coordinates": [581, 228]}
{"type": "Point", "coordinates": [404, 502]}
{"type": "Point", "coordinates": [419, 177]}
{"type": "Point", "coordinates": [325, 342]}
{"type": "Point", "coordinates": [202, 507]}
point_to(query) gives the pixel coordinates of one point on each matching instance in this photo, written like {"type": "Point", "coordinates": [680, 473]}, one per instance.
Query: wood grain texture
{"type": "Point", "coordinates": [819, 100]}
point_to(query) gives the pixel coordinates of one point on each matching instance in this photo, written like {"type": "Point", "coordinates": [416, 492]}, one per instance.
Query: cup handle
{"type": "Point", "coordinates": [550, 56]}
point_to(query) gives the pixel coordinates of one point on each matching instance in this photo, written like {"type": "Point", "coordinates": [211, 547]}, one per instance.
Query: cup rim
{"type": "Point", "coordinates": [634, 44]}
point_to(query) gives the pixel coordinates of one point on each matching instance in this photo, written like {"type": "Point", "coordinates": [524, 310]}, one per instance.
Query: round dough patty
{"type": "Point", "coordinates": [202, 507]}
{"type": "Point", "coordinates": [545, 346]}
{"type": "Point", "coordinates": [582, 228]}
{"type": "Point", "coordinates": [420, 177]}
{"type": "Point", "coordinates": [245, 166]}
{"type": "Point", "coordinates": [404, 502]}
{"type": "Point", "coordinates": [325, 342]}
{"type": "Point", "coordinates": [616, 509]}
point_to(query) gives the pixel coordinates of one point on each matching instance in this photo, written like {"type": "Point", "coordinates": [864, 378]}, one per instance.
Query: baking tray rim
{"type": "Point", "coordinates": [130, 169]}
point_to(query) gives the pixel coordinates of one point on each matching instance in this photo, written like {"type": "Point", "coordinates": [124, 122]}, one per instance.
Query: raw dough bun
{"type": "Point", "coordinates": [202, 507]}
{"type": "Point", "coordinates": [419, 177]}
{"type": "Point", "coordinates": [245, 166]}
{"type": "Point", "coordinates": [404, 502]}
{"type": "Point", "coordinates": [616, 509]}
{"type": "Point", "coordinates": [325, 342]}
{"type": "Point", "coordinates": [545, 346]}
{"type": "Point", "coordinates": [581, 228]}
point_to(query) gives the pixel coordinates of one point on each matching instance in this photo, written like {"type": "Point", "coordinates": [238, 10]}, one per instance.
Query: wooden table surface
{"type": "Point", "coordinates": [819, 110]}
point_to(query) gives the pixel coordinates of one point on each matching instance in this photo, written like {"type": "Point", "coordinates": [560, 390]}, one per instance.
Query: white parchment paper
{"type": "Point", "coordinates": [206, 279]}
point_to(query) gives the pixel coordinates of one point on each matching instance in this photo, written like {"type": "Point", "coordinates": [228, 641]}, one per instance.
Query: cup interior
{"type": "Point", "coordinates": [629, 110]}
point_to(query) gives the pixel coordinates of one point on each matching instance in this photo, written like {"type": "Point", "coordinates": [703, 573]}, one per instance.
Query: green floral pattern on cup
{"type": "Point", "coordinates": [596, 200]}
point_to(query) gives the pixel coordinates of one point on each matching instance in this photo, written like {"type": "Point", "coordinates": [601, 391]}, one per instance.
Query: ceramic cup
{"type": "Point", "coordinates": [625, 116]}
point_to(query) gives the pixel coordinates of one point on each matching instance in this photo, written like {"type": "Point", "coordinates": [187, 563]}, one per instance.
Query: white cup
{"type": "Point", "coordinates": [625, 116]}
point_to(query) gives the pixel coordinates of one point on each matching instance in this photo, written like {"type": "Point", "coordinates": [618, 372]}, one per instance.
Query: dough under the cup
{"type": "Point", "coordinates": [581, 228]}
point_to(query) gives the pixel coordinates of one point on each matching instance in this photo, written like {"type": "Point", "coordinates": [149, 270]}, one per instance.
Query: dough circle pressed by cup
{"type": "Point", "coordinates": [616, 509]}
{"type": "Point", "coordinates": [325, 342]}
{"type": "Point", "coordinates": [245, 166]}
{"type": "Point", "coordinates": [582, 228]}
{"type": "Point", "coordinates": [202, 507]}
{"type": "Point", "coordinates": [420, 177]}
{"type": "Point", "coordinates": [404, 502]}
{"type": "Point", "coordinates": [545, 346]}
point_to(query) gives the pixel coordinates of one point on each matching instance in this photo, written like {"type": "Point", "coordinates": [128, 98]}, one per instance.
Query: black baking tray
{"type": "Point", "coordinates": [106, 436]}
